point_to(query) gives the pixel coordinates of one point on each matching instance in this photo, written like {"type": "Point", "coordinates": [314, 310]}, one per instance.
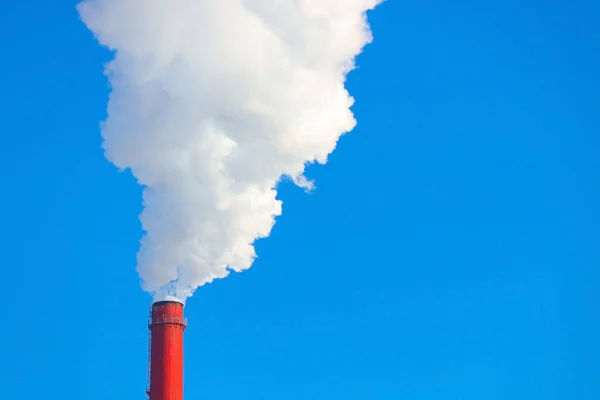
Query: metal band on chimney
{"type": "Point", "coordinates": [167, 320]}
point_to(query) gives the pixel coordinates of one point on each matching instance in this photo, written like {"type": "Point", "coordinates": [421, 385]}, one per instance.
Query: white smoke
{"type": "Point", "coordinates": [212, 102]}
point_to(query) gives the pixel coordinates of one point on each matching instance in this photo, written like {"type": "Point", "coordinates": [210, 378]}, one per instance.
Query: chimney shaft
{"type": "Point", "coordinates": [166, 326]}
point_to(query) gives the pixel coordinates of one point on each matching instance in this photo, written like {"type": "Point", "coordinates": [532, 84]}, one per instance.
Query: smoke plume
{"type": "Point", "coordinates": [212, 103]}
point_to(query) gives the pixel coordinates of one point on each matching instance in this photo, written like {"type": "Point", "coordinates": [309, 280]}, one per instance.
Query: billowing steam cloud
{"type": "Point", "coordinates": [212, 102]}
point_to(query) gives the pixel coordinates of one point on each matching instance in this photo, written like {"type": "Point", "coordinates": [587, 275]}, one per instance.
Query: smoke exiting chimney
{"type": "Point", "coordinates": [213, 102]}
{"type": "Point", "coordinates": [166, 327]}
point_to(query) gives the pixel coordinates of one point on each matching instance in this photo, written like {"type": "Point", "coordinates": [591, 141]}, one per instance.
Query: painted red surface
{"type": "Point", "coordinates": [166, 355]}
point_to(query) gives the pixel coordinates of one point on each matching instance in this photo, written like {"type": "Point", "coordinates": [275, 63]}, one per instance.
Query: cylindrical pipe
{"type": "Point", "coordinates": [166, 351]}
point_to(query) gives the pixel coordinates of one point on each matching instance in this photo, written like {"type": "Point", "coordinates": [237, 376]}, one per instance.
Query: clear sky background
{"type": "Point", "coordinates": [450, 251]}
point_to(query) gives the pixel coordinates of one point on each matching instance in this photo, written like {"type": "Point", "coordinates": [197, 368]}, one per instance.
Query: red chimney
{"type": "Point", "coordinates": [166, 326]}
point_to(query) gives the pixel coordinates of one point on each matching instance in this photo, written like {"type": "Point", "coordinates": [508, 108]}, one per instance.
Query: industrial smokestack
{"type": "Point", "coordinates": [212, 103]}
{"type": "Point", "coordinates": [166, 325]}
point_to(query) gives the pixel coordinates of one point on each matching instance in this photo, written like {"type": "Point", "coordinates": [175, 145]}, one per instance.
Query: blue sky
{"type": "Point", "coordinates": [449, 252]}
